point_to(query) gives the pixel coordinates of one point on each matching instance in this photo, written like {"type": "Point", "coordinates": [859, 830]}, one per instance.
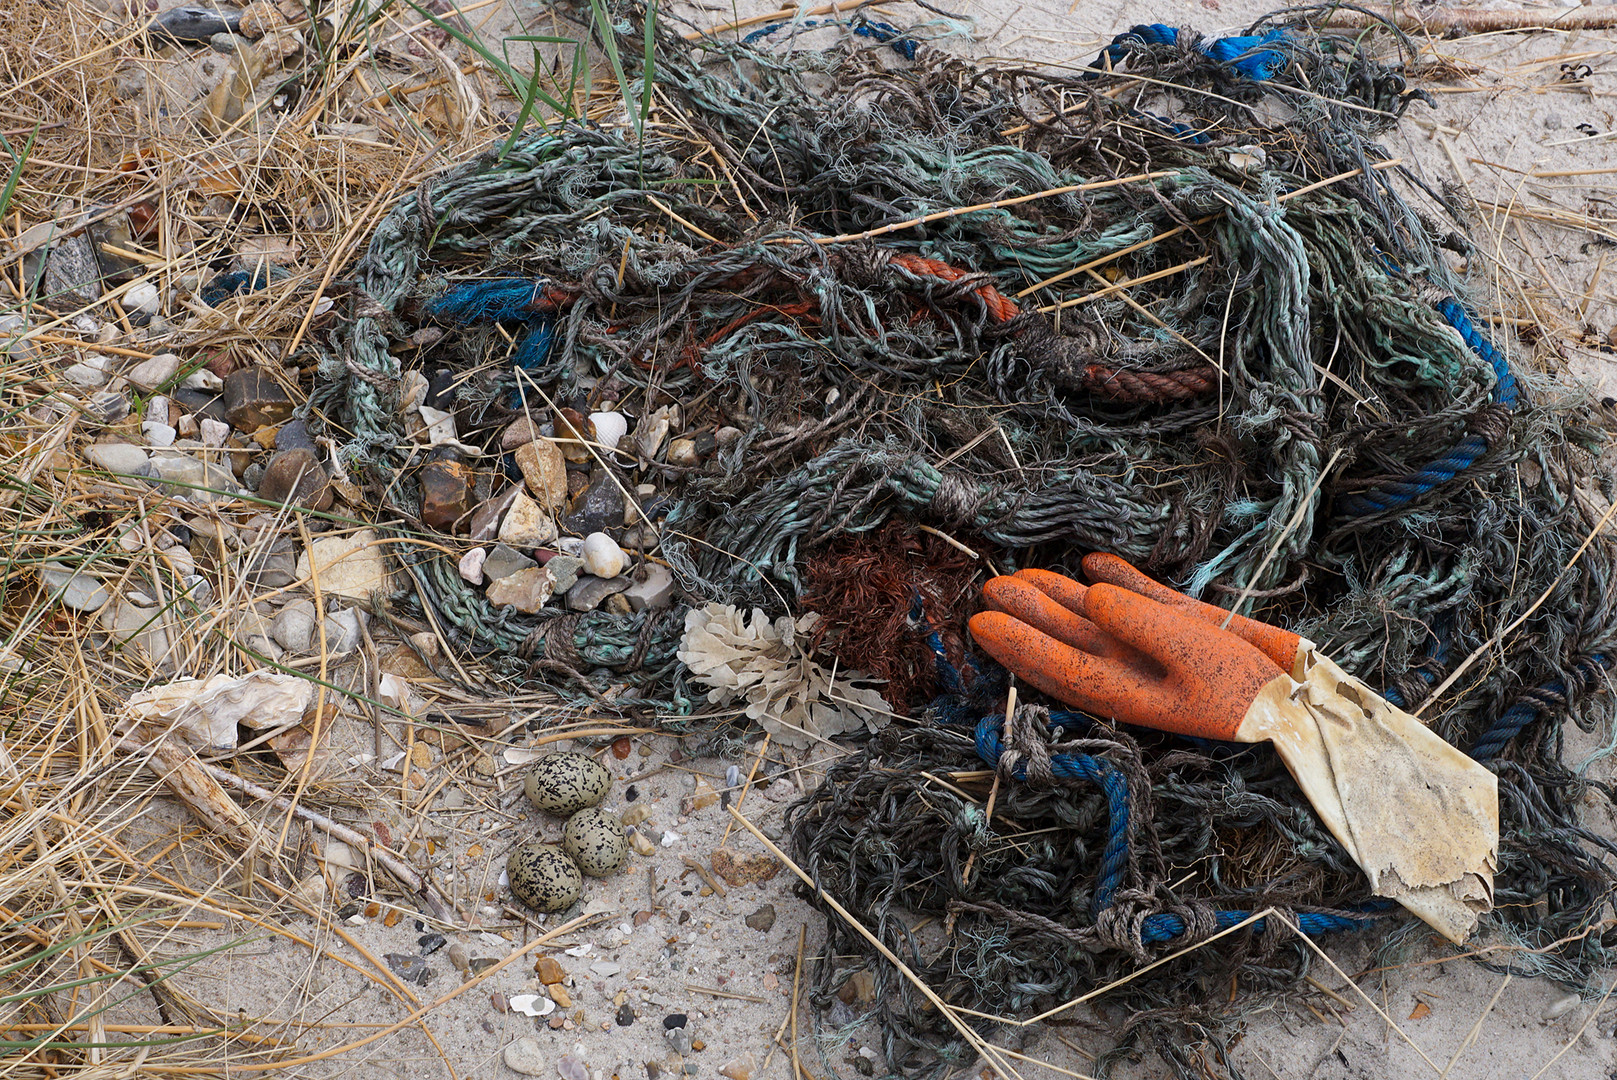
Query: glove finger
{"type": "Point", "coordinates": [1277, 644]}
{"type": "Point", "coordinates": [1058, 587]}
{"type": "Point", "coordinates": [1095, 684]}
{"type": "Point", "coordinates": [1019, 598]}
{"type": "Point", "coordinates": [1213, 675]}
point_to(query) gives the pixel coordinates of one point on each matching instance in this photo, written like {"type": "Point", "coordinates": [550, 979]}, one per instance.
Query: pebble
{"type": "Point", "coordinates": [295, 476]}
{"type": "Point", "coordinates": [762, 920]}
{"type": "Point", "coordinates": [342, 631]}
{"type": "Point", "coordinates": [739, 1068]}
{"type": "Point", "coordinates": [471, 565]}
{"type": "Point", "coordinates": [570, 1068]}
{"type": "Point", "coordinates": [588, 593]}
{"type": "Point", "coordinates": [79, 591]}
{"type": "Point", "coordinates": [85, 374]}
{"type": "Point", "coordinates": [679, 1039]}
{"type": "Point", "coordinates": [448, 495]}
{"type": "Point", "coordinates": [192, 23]}
{"type": "Point", "coordinates": [625, 1015]}
{"type": "Point", "coordinates": [597, 507]}
{"type": "Point", "coordinates": [431, 943]}
{"type": "Point", "coordinates": [549, 970]}
{"type": "Point", "coordinates": [655, 591]}
{"type": "Point", "coordinates": [641, 845]}
{"type": "Point", "coordinates": [602, 556]}
{"type": "Point", "coordinates": [738, 869]}
{"type": "Point", "coordinates": [409, 968]}
{"type": "Point", "coordinates": [72, 274]}
{"type": "Point", "coordinates": [486, 518]}
{"type": "Point", "coordinates": [158, 435]}
{"type": "Point", "coordinates": [525, 524]}
{"type": "Point", "coordinates": [253, 399]}
{"type": "Point", "coordinates": [158, 410]}
{"type": "Point", "coordinates": [457, 957]}
{"type": "Point", "coordinates": [573, 431]}
{"type": "Point", "coordinates": [674, 1020]}
{"type": "Point", "coordinates": [351, 565]}
{"type": "Point", "coordinates": [526, 590]}
{"type": "Point", "coordinates": [293, 626]}
{"type": "Point", "coordinates": [524, 1056]}
{"type": "Point", "coordinates": [117, 457]}
{"type": "Point", "coordinates": [565, 569]}
{"type": "Point", "coordinates": [1560, 1007]}
{"type": "Point", "coordinates": [683, 452]}
{"type": "Point", "coordinates": [503, 561]}
{"type": "Point", "coordinates": [143, 296]}
{"type": "Point", "coordinates": [610, 428]}
{"type": "Point", "coordinates": [544, 469]}
{"type": "Point", "coordinates": [107, 407]}
{"type": "Point", "coordinates": [213, 432]}
{"type": "Point", "coordinates": [199, 481]}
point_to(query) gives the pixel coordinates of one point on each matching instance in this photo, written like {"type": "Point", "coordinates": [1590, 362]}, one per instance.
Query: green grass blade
{"type": "Point", "coordinates": [609, 37]}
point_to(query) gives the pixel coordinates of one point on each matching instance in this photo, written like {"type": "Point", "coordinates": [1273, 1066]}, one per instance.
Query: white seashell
{"type": "Point", "coordinates": [610, 428]}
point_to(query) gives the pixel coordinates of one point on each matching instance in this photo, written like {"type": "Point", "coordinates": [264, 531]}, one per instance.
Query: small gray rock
{"type": "Point", "coordinates": [342, 631]}
{"type": "Point", "coordinates": [564, 569]}
{"type": "Point", "coordinates": [106, 407]}
{"type": "Point", "coordinates": [195, 23]}
{"type": "Point", "coordinates": [524, 1056]}
{"type": "Point", "coordinates": [116, 457]}
{"type": "Point", "coordinates": [72, 274]}
{"type": "Point", "coordinates": [763, 919]}
{"type": "Point", "coordinates": [588, 593]}
{"type": "Point", "coordinates": [293, 626]}
{"type": "Point", "coordinates": [503, 561]}
{"type": "Point", "coordinates": [656, 591]}
{"type": "Point", "coordinates": [75, 589]}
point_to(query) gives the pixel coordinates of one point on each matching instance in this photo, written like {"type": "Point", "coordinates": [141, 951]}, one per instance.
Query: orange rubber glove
{"type": "Point", "coordinates": [1127, 657]}
{"type": "Point", "coordinates": [1418, 816]}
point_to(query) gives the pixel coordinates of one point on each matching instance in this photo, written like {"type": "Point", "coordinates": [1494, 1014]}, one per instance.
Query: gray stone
{"type": "Point", "coordinates": [75, 589]}
{"type": "Point", "coordinates": [588, 593]}
{"type": "Point", "coordinates": [85, 375]}
{"type": "Point", "coordinates": [158, 434]}
{"type": "Point", "coordinates": [200, 481]}
{"type": "Point", "coordinates": [195, 23]}
{"type": "Point", "coordinates": [503, 561]}
{"type": "Point", "coordinates": [179, 561]}
{"type": "Point", "coordinates": [72, 274]}
{"type": "Point", "coordinates": [116, 457]}
{"type": "Point", "coordinates": [293, 626]}
{"type": "Point", "coordinates": [296, 476]}
{"type": "Point", "coordinates": [524, 1056]}
{"type": "Point", "coordinates": [132, 624]}
{"type": "Point", "coordinates": [269, 569]}
{"type": "Point", "coordinates": [106, 407]}
{"type": "Point", "coordinates": [656, 591]}
{"type": "Point", "coordinates": [763, 919]}
{"type": "Point", "coordinates": [565, 569]}
{"type": "Point", "coordinates": [597, 508]}
{"type": "Point", "coordinates": [342, 631]}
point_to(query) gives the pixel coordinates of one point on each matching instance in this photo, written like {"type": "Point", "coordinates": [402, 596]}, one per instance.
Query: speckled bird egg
{"type": "Point", "coordinates": [543, 876]}
{"type": "Point", "coordinates": [595, 838]}
{"type": "Point", "coordinates": [564, 784]}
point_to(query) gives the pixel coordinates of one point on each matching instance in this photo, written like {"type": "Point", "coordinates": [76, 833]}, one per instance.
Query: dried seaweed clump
{"type": "Point", "coordinates": [791, 695]}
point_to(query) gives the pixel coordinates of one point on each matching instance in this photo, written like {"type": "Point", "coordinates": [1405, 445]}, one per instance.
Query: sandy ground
{"type": "Point", "coordinates": [656, 946]}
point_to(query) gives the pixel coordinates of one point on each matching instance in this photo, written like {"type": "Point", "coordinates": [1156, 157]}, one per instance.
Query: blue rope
{"type": "Point", "coordinates": [1466, 453]}
{"type": "Point", "coordinates": [507, 300]}
{"type": "Point", "coordinates": [1103, 774]}
{"type": "Point", "coordinates": [1165, 926]}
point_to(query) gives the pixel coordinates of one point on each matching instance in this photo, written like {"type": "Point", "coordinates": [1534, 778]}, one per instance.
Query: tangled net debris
{"type": "Point", "coordinates": [1181, 307]}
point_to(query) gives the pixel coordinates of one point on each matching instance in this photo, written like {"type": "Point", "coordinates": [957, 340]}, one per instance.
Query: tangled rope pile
{"type": "Point", "coordinates": [1177, 307]}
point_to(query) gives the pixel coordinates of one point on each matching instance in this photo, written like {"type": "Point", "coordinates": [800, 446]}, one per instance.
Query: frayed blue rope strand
{"type": "Point", "coordinates": [883, 33]}
{"type": "Point", "coordinates": [1248, 55]}
{"type": "Point", "coordinates": [494, 300]}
